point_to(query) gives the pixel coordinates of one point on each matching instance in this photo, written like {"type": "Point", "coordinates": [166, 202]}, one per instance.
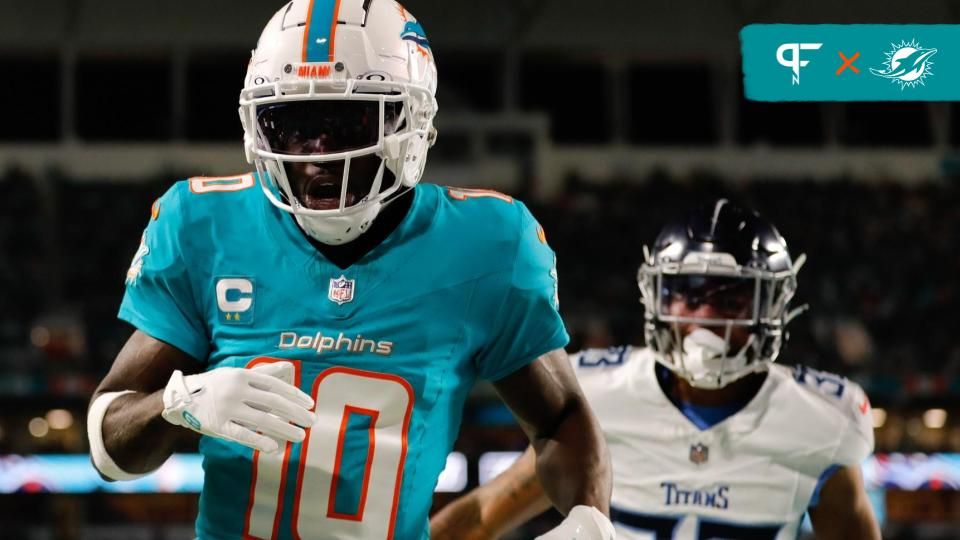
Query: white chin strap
{"type": "Point", "coordinates": [337, 230]}
{"type": "Point", "coordinates": [704, 361]}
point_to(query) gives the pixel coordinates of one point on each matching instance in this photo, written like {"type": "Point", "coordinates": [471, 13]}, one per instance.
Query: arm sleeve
{"type": "Point", "coordinates": [159, 297]}
{"type": "Point", "coordinates": [527, 324]}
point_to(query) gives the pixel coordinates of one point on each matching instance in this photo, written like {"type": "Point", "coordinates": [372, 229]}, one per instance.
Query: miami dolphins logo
{"type": "Point", "coordinates": [907, 64]}
{"type": "Point", "coordinates": [412, 31]}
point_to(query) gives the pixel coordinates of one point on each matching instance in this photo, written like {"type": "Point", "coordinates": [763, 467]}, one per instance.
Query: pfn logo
{"type": "Point", "coordinates": [794, 62]}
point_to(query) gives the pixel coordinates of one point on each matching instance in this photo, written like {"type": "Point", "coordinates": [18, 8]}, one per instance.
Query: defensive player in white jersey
{"type": "Point", "coordinates": [709, 438]}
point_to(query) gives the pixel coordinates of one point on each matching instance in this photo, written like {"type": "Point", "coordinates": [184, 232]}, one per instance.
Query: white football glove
{"type": "Point", "coordinates": [254, 407]}
{"type": "Point", "coordinates": [582, 523]}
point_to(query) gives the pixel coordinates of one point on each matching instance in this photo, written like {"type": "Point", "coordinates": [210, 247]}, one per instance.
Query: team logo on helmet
{"type": "Point", "coordinates": [412, 31]}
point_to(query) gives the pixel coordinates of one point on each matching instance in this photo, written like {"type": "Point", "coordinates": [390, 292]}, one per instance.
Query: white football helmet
{"type": "Point", "coordinates": [332, 81]}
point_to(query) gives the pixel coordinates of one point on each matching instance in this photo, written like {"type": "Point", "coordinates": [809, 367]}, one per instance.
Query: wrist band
{"type": "Point", "coordinates": [101, 459]}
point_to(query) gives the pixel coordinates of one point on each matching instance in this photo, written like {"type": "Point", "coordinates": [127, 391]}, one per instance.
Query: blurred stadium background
{"type": "Point", "coordinates": [607, 117]}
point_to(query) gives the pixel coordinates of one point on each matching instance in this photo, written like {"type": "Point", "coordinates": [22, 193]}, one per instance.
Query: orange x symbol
{"type": "Point", "coordinates": [848, 62]}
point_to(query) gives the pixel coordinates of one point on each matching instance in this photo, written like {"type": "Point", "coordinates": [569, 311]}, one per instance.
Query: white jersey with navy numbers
{"type": "Point", "coordinates": [752, 475]}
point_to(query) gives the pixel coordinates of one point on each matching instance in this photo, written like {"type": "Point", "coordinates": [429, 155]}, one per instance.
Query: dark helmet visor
{"type": "Point", "coordinates": [323, 126]}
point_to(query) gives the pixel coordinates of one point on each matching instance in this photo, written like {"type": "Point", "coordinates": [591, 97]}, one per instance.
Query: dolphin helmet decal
{"type": "Point", "coordinates": [412, 31]}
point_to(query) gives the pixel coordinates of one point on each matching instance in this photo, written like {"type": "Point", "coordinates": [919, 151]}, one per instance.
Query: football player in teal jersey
{"type": "Point", "coordinates": [320, 321]}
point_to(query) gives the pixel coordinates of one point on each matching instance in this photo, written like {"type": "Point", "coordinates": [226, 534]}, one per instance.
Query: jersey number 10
{"type": "Point", "coordinates": [323, 505]}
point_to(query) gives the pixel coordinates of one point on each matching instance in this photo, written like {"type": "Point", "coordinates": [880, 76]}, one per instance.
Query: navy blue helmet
{"type": "Point", "coordinates": [735, 261]}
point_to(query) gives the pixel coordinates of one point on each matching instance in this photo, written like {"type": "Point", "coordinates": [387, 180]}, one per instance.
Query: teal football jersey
{"type": "Point", "coordinates": [389, 347]}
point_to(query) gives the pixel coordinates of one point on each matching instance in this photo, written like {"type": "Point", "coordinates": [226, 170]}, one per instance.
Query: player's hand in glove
{"type": "Point", "coordinates": [582, 523]}
{"type": "Point", "coordinates": [255, 407]}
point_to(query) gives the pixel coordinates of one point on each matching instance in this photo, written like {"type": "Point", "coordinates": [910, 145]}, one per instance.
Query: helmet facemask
{"type": "Point", "coordinates": [309, 139]}
{"type": "Point", "coordinates": [748, 315]}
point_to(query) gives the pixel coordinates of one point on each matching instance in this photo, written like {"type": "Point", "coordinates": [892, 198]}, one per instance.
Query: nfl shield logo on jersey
{"type": "Point", "coordinates": [341, 290]}
{"type": "Point", "coordinates": [699, 453]}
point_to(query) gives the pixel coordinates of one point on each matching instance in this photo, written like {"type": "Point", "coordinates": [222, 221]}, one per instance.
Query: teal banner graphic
{"type": "Point", "coordinates": [851, 62]}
